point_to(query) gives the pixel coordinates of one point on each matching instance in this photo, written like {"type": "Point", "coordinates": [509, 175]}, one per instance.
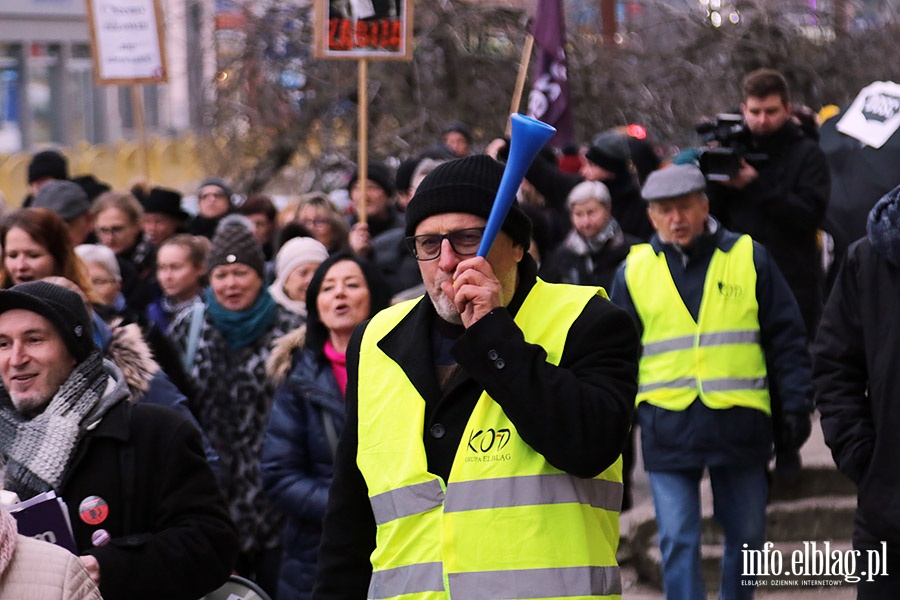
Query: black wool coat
{"type": "Point", "coordinates": [170, 533]}
{"type": "Point", "coordinates": [856, 378]}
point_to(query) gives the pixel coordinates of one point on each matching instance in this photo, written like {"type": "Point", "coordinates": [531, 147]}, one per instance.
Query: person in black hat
{"type": "Point", "coordinates": [233, 331]}
{"type": "Point", "coordinates": [381, 214]}
{"type": "Point", "coordinates": [213, 203]}
{"type": "Point", "coordinates": [524, 392]}
{"type": "Point", "coordinates": [719, 327]}
{"type": "Point", "coordinates": [163, 215]}
{"type": "Point", "coordinates": [46, 165]}
{"type": "Point", "coordinates": [147, 516]}
{"type": "Point", "coordinates": [457, 136]}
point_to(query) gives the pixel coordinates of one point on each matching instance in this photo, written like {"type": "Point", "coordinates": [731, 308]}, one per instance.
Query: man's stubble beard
{"type": "Point", "coordinates": [443, 306]}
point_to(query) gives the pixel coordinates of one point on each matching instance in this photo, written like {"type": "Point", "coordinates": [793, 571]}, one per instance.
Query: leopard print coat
{"type": "Point", "coordinates": [232, 404]}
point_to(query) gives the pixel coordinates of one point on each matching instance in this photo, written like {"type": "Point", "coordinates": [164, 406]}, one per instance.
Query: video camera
{"type": "Point", "coordinates": [723, 161]}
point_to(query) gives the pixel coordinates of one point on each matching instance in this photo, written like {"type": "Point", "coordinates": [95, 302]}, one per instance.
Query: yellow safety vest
{"type": "Point", "coordinates": [507, 524]}
{"type": "Point", "coordinates": [717, 358]}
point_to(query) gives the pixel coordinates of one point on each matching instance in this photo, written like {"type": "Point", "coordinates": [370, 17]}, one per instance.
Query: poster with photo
{"type": "Point", "coordinates": [371, 29]}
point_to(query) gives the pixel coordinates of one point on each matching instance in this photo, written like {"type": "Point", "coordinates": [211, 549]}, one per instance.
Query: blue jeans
{"type": "Point", "coordinates": [739, 501]}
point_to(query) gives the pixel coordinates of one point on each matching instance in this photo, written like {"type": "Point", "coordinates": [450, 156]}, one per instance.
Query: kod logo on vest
{"type": "Point", "coordinates": [486, 445]}
{"type": "Point", "coordinates": [730, 290]}
{"type": "Point", "coordinates": [881, 107]}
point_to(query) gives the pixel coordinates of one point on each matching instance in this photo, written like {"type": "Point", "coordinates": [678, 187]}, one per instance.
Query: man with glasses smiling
{"type": "Point", "coordinates": [480, 456]}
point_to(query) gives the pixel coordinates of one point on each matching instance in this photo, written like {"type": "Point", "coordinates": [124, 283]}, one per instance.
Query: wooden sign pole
{"type": "Point", "coordinates": [520, 80]}
{"type": "Point", "coordinates": [363, 135]}
{"type": "Point", "coordinates": [137, 107]}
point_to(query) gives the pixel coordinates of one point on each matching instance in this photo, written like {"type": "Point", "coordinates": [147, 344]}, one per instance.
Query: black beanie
{"type": "Point", "coordinates": [63, 308]}
{"type": "Point", "coordinates": [609, 151]}
{"type": "Point", "coordinates": [48, 163]}
{"type": "Point", "coordinates": [380, 174]}
{"type": "Point", "coordinates": [233, 243]}
{"type": "Point", "coordinates": [467, 185]}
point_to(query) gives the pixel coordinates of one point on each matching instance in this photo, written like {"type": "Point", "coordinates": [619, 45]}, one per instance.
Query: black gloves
{"type": "Point", "coordinates": [795, 429]}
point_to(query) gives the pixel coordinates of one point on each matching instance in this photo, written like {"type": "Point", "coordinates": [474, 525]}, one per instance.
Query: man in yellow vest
{"type": "Point", "coordinates": [718, 322]}
{"type": "Point", "coordinates": [480, 456]}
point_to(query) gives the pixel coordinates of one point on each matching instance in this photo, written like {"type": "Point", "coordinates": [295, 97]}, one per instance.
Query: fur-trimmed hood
{"type": "Point", "coordinates": [280, 361]}
{"type": "Point", "coordinates": [130, 352]}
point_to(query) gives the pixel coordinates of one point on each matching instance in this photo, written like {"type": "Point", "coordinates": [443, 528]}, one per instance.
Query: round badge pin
{"type": "Point", "coordinates": [93, 510]}
{"type": "Point", "coordinates": [100, 537]}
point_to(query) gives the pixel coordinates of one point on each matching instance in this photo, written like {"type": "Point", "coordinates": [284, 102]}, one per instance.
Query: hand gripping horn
{"type": "Point", "coordinates": [526, 139]}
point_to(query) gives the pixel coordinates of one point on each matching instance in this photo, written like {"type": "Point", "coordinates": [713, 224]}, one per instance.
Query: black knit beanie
{"type": "Point", "coordinates": [63, 308]}
{"type": "Point", "coordinates": [467, 185]}
{"type": "Point", "coordinates": [378, 172]}
{"type": "Point", "coordinates": [48, 163]}
{"type": "Point", "coordinates": [233, 243]}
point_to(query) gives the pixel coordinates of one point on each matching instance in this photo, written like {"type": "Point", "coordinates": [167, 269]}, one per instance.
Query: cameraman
{"type": "Point", "coordinates": [780, 200]}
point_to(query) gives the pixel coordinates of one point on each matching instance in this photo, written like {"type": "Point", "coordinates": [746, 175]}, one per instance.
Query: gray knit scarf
{"type": "Point", "coordinates": [39, 450]}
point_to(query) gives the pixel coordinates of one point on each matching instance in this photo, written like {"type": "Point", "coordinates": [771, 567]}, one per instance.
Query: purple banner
{"type": "Point", "coordinates": [549, 97]}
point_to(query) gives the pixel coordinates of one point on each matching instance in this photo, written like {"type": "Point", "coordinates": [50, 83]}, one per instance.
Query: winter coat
{"type": "Point", "coordinates": [298, 457]}
{"type": "Point", "coordinates": [782, 209]}
{"type": "Point", "coordinates": [701, 436]}
{"type": "Point", "coordinates": [170, 533]}
{"type": "Point", "coordinates": [127, 348]}
{"type": "Point", "coordinates": [577, 414]}
{"type": "Point", "coordinates": [855, 371]}
{"type": "Point", "coordinates": [42, 571]}
{"type": "Point", "coordinates": [577, 263]}
{"type": "Point", "coordinates": [232, 403]}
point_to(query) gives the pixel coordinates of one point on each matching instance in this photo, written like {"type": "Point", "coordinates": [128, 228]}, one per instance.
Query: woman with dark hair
{"type": "Point", "coordinates": [308, 412]}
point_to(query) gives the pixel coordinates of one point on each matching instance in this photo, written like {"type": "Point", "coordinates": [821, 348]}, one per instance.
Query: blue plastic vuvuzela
{"type": "Point", "coordinates": [526, 139]}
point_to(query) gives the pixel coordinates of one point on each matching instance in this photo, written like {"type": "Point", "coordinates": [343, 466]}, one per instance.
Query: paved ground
{"type": "Point", "coordinates": [815, 452]}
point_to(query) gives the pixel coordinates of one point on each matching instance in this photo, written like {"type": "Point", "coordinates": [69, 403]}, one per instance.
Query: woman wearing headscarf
{"type": "Point", "coordinates": [308, 414]}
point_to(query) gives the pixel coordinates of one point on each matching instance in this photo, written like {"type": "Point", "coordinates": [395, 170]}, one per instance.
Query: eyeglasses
{"type": "Point", "coordinates": [114, 231]}
{"type": "Point", "coordinates": [464, 242]}
{"type": "Point", "coordinates": [317, 222]}
{"type": "Point", "coordinates": [102, 282]}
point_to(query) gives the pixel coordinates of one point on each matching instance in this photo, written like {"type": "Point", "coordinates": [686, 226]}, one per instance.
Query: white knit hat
{"type": "Point", "coordinates": [295, 252]}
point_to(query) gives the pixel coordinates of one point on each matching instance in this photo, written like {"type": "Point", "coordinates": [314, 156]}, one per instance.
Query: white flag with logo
{"type": "Point", "coordinates": [875, 114]}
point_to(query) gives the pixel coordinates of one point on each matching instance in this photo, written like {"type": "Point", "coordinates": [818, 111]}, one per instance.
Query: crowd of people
{"type": "Point", "coordinates": [353, 403]}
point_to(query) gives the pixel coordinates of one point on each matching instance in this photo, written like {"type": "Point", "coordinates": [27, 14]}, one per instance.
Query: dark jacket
{"type": "Point", "coordinates": [783, 209]}
{"type": "Point", "coordinates": [578, 263]}
{"type": "Point", "coordinates": [298, 457]}
{"type": "Point", "coordinates": [700, 436]}
{"type": "Point", "coordinates": [577, 414]}
{"type": "Point", "coordinates": [171, 534]}
{"type": "Point", "coordinates": [857, 377]}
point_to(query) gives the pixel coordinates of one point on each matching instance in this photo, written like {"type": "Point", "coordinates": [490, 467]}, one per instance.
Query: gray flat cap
{"type": "Point", "coordinates": [673, 181]}
{"type": "Point", "coordinates": [65, 198]}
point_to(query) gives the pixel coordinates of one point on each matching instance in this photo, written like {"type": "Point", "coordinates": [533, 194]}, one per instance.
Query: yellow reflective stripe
{"type": "Point", "coordinates": [537, 583]}
{"type": "Point", "coordinates": [557, 488]}
{"type": "Point", "coordinates": [686, 342]}
{"type": "Point", "coordinates": [405, 501]}
{"type": "Point", "coordinates": [408, 579]}
{"type": "Point", "coordinates": [726, 384]}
